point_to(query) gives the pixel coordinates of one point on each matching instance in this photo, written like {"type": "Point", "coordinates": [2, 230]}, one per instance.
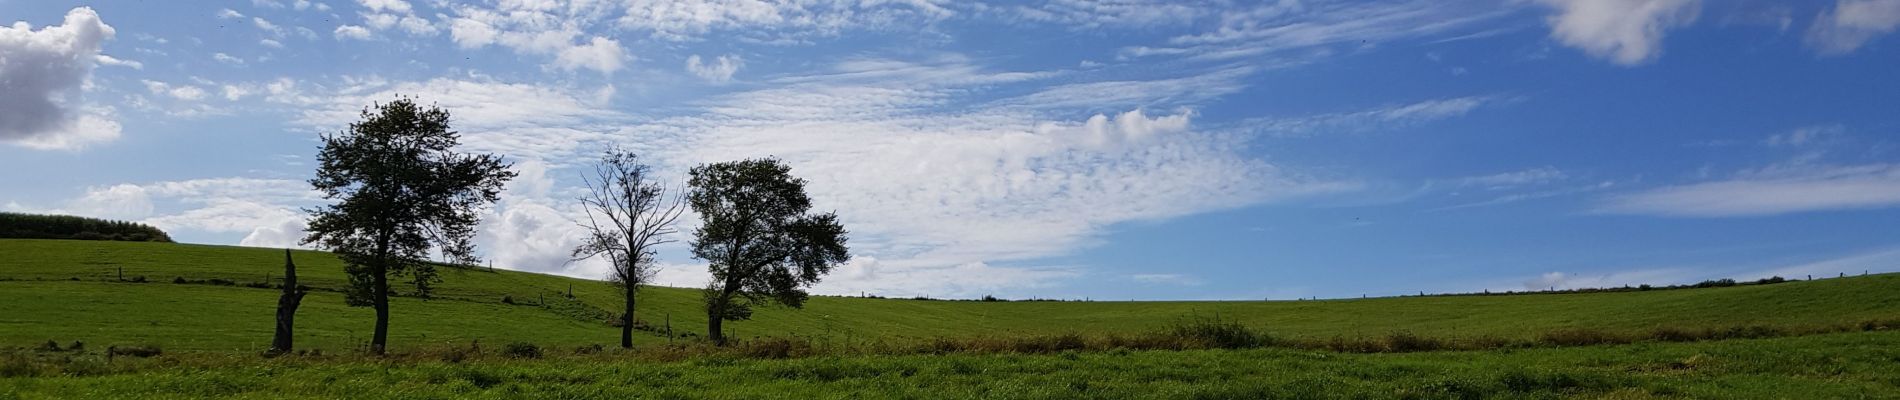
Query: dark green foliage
{"type": "Point", "coordinates": [134, 351]}
{"type": "Point", "coordinates": [34, 226]}
{"type": "Point", "coordinates": [761, 243]}
{"type": "Point", "coordinates": [1724, 282]}
{"type": "Point", "coordinates": [400, 190]}
{"type": "Point", "coordinates": [521, 350]}
{"type": "Point", "coordinates": [1217, 333]}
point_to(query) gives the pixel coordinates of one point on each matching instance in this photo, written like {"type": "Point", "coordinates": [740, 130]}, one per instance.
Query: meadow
{"type": "Point", "coordinates": [210, 310]}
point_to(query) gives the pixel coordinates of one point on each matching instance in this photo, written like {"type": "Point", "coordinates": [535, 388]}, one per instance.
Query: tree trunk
{"type": "Point", "coordinates": [713, 321]}
{"type": "Point", "coordinates": [626, 327]}
{"type": "Point", "coordinates": [381, 338]}
{"type": "Point", "coordinates": [286, 308]}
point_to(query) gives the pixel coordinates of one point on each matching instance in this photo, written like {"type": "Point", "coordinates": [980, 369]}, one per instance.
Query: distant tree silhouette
{"type": "Point", "coordinates": [287, 307]}
{"type": "Point", "coordinates": [628, 213]}
{"type": "Point", "coordinates": [35, 226]}
{"type": "Point", "coordinates": [400, 191]}
{"type": "Point", "coordinates": [760, 243]}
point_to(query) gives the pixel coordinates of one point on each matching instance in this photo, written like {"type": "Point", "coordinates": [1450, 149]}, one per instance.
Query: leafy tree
{"type": "Point", "coordinates": [762, 245]}
{"type": "Point", "coordinates": [400, 191]}
{"type": "Point", "coordinates": [628, 213]}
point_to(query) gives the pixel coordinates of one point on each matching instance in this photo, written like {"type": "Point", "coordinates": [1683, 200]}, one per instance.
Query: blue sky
{"type": "Point", "coordinates": [1126, 149]}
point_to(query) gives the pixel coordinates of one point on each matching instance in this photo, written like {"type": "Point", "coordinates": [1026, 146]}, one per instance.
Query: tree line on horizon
{"type": "Point", "coordinates": [44, 226]}
{"type": "Point", "coordinates": [401, 192]}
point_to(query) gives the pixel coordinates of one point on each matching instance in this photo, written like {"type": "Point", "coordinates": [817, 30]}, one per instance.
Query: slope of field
{"type": "Point", "coordinates": [69, 290]}
{"type": "Point", "coordinates": [1838, 366]}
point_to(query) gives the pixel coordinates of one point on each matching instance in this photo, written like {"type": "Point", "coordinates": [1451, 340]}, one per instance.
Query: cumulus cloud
{"type": "Point", "coordinates": [539, 29]}
{"type": "Point", "coordinates": [1626, 32]}
{"type": "Point", "coordinates": [40, 105]}
{"type": "Point", "coordinates": [352, 32]}
{"type": "Point", "coordinates": [720, 70]}
{"type": "Point", "coordinates": [1851, 24]}
{"type": "Point", "coordinates": [1772, 191]}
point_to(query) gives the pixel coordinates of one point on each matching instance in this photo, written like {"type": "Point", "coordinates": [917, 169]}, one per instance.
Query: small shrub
{"type": "Point", "coordinates": [505, 299]}
{"type": "Point", "coordinates": [1352, 345]}
{"type": "Point", "coordinates": [14, 365]}
{"type": "Point", "coordinates": [1218, 333]}
{"type": "Point", "coordinates": [774, 348]}
{"type": "Point", "coordinates": [180, 280]}
{"type": "Point", "coordinates": [990, 298]}
{"type": "Point", "coordinates": [1579, 337]}
{"type": "Point", "coordinates": [138, 279]}
{"type": "Point", "coordinates": [49, 346]}
{"type": "Point", "coordinates": [589, 349]}
{"type": "Point", "coordinates": [1405, 341]}
{"type": "Point", "coordinates": [134, 351]}
{"type": "Point", "coordinates": [1674, 334]}
{"type": "Point", "coordinates": [521, 350]}
{"type": "Point", "coordinates": [258, 285]}
{"type": "Point", "coordinates": [221, 282]}
{"type": "Point", "coordinates": [77, 346]}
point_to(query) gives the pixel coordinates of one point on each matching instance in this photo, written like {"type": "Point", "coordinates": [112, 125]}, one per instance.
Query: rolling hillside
{"type": "Point", "coordinates": [69, 290]}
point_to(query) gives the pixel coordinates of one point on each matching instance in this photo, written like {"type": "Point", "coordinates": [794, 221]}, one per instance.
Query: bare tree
{"type": "Point", "coordinates": [629, 212]}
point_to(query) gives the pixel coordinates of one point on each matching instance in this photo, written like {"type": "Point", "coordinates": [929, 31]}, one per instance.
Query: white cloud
{"type": "Point", "coordinates": [1626, 32]}
{"type": "Point", "coordinates": [1773, 191]}
{"type": "Point", "coordinates": [539, 29]}
{"type": "Point", "coordinates": [44, 69]}
{"type": "Point", "coordinates": [1804, 136]}
{"type": "Point", "coordinates": [1850, 24]}
{"type": "Point", "coordinates": [227, 59]}
{"type": "Point", "coordinates": [181, 92]}
{"type": "Point", "coordinates": [1183, 91]}
{"type": "Point", "coordinates": [720, 70]}
{"type": "Point", "coordinates": [271, 43]}
{"type": "Point", "coordinates": [687, 19]}
{"type": "Point", "coordinates": [1385, 117]}
{"type": "Point", "coordinates": [522, 120]}
{"type": "Point", "coordinates": [395, 6]}
{"type": "Point", "coordinates": [229, 13]}
{"type": "Point", "coordinates": [1294, 30]}
{"type": "Point", "coordinates": [599, 54]}
{"type": "Point", "coordinates": [1533, 176]}
{"type": "Point", "coordinates": [1118, 13]}
{"type": "Point", "coordinates": [352, 32]}
{"type": "Point", "coordinates": [267, 26]}
{"type": "Point", "coordinates": [109, 60]}
{"type": "Point", "coordinates": [124, 202]}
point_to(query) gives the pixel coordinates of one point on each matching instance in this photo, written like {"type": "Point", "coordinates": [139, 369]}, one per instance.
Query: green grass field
{"type": "Point", "coordinates": [1839, 366]}
{"type": "Point", "coordinates": [69, 291]}
{"type": "Point", "coordinates": [41, 301]}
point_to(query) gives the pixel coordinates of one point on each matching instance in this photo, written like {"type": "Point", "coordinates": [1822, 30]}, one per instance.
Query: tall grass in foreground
{"type": "Point", "coordinates": [1192, 333]}
{"type": "Point", "coordinates": [1854, 365]}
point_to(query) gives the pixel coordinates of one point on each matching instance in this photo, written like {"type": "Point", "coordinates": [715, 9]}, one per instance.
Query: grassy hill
{"type": "Point", "coordinates": [70, 290]}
